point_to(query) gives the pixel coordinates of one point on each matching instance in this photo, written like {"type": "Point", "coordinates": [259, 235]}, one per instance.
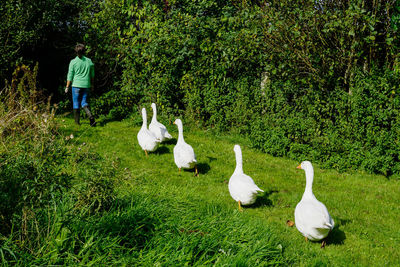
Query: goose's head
{"type": "Point", "coordinates": [178, 122]}
{"type": "Point", "coordinates": [153, 106]}
{"type": "Point", "coordinates": [305, 165]}
{"type": "Point", "coordinates": [237, 149]}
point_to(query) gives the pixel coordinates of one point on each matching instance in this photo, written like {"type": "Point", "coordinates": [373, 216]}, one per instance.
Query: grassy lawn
{"type": "Point", "coordinates": [195, 221]}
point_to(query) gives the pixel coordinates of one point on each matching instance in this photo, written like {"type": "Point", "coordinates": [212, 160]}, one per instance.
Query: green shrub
{"type": "Point", "coordinates": [339, 130]}
{"type": "Point", "coordinates": [115, 105]}
{"type": "Point", "coordinates": [323, 69]}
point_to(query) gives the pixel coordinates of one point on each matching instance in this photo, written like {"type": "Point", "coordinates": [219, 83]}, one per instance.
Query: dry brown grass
{"type": "Point", "coordinates": [24, 111]}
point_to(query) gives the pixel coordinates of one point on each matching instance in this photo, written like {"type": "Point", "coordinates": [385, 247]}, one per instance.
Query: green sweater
{"type": "Point", "coordinates": [81, 72]}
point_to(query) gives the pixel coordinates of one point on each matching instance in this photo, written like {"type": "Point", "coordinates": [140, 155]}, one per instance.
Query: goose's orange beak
{"type": "Point", "coordinates": [298, 167]}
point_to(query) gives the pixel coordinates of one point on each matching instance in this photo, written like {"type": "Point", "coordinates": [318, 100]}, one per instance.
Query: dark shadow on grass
{"type": "Point", "coordinates": [203, 168]}
{"type": "Point", "coordinates": [336, 237]}
{"type": "Point", "coordinates": [161, 150]}
{"type": "Point", "coordinates": [171, 141]}
{"type": "Point", "coordinates": [263, 200]}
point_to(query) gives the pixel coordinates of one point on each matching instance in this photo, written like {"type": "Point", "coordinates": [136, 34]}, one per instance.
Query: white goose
{"type": "Point", "coordinates": [241, 187]}
{"type": "Point", "coordinates": [157, 128]}
{"type": "Point", "coordinates": [311, 216]}
{"type": "Point", "coordinates": [147, 140]}
{"type": "Point", "coordinates": [183, 153]}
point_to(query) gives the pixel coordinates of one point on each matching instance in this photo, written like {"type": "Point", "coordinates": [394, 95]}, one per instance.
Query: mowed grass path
{"type": "Point", "coordinates": [365, 207]}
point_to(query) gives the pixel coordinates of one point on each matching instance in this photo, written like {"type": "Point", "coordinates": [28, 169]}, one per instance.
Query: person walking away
{"type": "Point", "coordinates": [81, 76]}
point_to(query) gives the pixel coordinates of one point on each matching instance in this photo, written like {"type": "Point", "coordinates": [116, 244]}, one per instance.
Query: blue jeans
{"type": "Point", "coordinates": [79, 96]}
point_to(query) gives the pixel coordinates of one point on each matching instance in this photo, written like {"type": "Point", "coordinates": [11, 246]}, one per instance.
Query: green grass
{"type": "Point", "coordinates": [194, 221]}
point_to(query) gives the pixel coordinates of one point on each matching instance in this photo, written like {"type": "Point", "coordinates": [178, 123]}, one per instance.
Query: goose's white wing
{"type": "Point", "coordinates": [313, 219]}
{"type": "Point", "coordinates": [147, 140]}
{"type": "Point", "coordinates": [159, 130]}
{"type": "Point", "coordinates": [184, 156]}
{"type": "Point", "coordinates": [155, 129]}
{"type": "Point", "coordinates": [243, 188]}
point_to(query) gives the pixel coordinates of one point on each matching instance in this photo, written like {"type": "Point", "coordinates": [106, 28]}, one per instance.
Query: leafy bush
{"type": "Point", "coordinates": [206, 60]}
{"type": "Point", "coordinates": [40, 31]}
{"type": "Point", "coordinates": [286, 73]}
{"type": "Point", "coordinates": [115, 105]}
{"type": "Point", "coordinates": [337, 129]}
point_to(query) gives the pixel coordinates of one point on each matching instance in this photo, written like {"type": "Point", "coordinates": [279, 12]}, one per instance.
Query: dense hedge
{"type": "Point", "coordinates": [304, 79]}
{"type": "Point", "coordinates": [337, 129]}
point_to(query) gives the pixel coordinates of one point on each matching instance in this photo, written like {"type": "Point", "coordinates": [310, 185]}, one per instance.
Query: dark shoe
{"type": "Point", "coordinates": [92, 122]}
{"type": "Point", "coordinates": [77, 114]}
{"type": "Point", "coordinates": [89, 114]}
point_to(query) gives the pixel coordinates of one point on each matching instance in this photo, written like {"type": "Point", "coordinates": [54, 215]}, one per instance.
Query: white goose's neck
{"type": "Point", "coordinates": [309, 182]}
{"type": "Point", "coordinates": [180, 133]}
{"type": "Point", "coordinates": [144, 116]}
{"type": "Point", "coordinates": [154, 113]}
{"type": "Point", "coordinates": [239, 161]}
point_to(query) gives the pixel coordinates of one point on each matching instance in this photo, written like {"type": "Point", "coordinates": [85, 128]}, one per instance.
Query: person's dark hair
{"type": "Point", "coordinates": [80, 49]}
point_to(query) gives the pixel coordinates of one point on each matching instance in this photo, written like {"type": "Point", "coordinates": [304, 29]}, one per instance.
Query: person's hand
{"type": "Point", "coordinates": [66, 89]}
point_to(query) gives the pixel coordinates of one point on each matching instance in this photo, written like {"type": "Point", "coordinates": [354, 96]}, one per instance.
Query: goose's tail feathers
{"type": "Point", "coordinates": [168, 136]}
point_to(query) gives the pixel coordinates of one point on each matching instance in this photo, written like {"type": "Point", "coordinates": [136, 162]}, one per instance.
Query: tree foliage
{"type": "Point", "coordinates": [286, 73]}
{"type": "Point", "coordinates": [42, 31]}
